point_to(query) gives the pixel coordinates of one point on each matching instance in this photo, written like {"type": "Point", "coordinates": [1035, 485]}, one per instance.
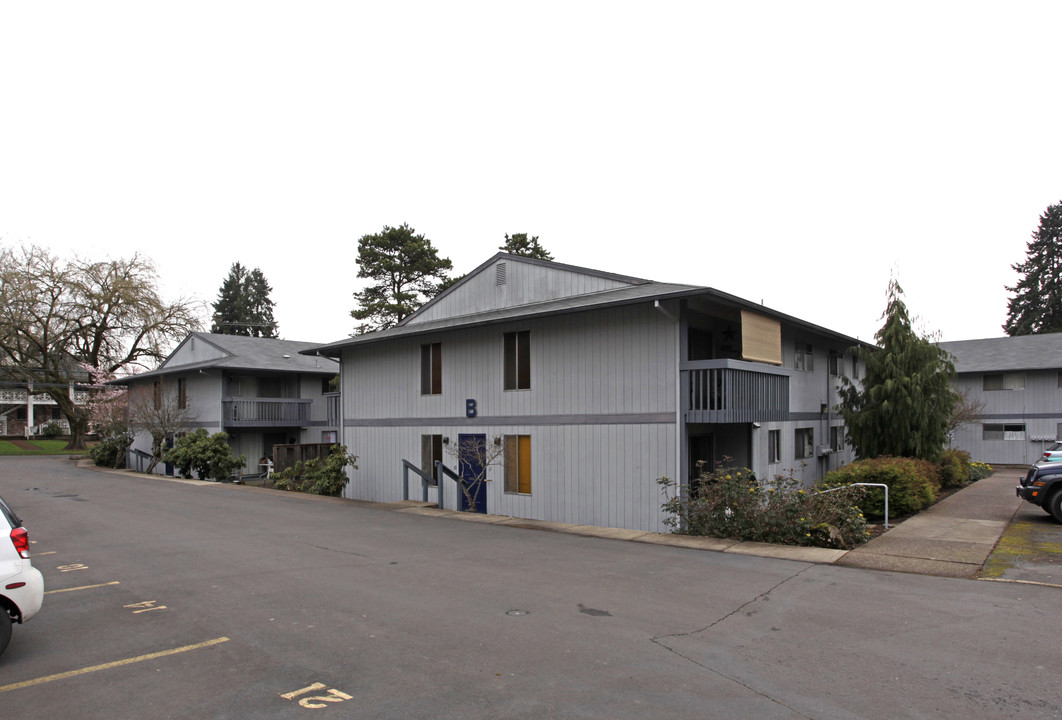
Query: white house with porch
{"type": "Point", "coordinates": [590, 385]}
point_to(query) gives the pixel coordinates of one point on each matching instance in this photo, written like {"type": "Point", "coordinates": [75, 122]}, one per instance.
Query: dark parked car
{"type": "Point", "coordinates": [1042, 486]}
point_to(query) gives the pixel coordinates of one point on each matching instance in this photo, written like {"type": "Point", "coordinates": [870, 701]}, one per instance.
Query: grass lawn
{"type": "Point", "coordinates": [43, 447]}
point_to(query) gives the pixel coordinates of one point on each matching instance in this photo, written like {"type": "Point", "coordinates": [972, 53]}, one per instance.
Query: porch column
{"type": "Point", "coordinates": [29, 408]}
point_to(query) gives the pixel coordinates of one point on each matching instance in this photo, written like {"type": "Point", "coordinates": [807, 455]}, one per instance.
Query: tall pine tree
{"type": "Point", "coordinates": [520, 244]}
{"type": "Point", "coordinates": [904, 405]}
{"type": "Point", "coordinates": [1037, 303]}
{"type": "Point", "coordinates": [406, 270]}
{"type": "Point", "coordinates": [243, 306]}
{"type": "Point", "coordinates": [257, 291]}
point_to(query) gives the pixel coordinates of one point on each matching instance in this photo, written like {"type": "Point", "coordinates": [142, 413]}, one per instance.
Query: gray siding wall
{"type": "Point", "coordinates": [1038, 407]}
{"type": "Point", "coordinates": [600, 413]}
{"type": "Point", "coordinates": [193, 351]}
{"type": "Point", "coordinates": [524, 283]}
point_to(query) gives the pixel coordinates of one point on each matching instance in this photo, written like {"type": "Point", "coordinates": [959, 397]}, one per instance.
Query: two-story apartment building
{"type": "Point", "coordinates": [591, 385]}
{"type": "Point", "coordinates": [1017, 384]}
{"type": "Point", "coordinates": [261, 392]}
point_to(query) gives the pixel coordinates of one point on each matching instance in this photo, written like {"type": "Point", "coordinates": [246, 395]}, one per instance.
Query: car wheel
{"type": "Point", "coordinates": [5, 629]}
{"type": "Point", "coordinates": [1054, 505]}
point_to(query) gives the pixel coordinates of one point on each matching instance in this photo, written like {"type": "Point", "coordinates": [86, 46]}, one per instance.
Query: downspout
{"type": "Point", "coordinates": [679, 429]}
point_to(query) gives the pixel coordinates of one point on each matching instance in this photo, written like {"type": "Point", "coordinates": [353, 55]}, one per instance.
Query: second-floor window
{"type": "Point", "coordinates": [804, 359]}
{"type": "Point", "coordinates": [431, 369]}
{"type": "Point", "coordinates": [518, 360]}
{"type": "Point", "coordinates": [774, 446]}
{"type": "Point", "coordinates": [1004, 381]}
{"type": "Point", "coordinates": [182, 394]}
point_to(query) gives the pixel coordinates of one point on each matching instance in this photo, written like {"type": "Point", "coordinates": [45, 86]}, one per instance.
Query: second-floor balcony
{"type": "Point", "coordinates": [265, 412]}
{"type": "Point", "coordinates": [734, 391]}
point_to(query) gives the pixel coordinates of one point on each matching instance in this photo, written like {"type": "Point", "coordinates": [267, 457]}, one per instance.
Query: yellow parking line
{"type": "Point", "coordinates": [50, 552]}
{"type": "Point", "coordinates": [83, 587]}
{"type": "Point", "coordinates": [108, 666]}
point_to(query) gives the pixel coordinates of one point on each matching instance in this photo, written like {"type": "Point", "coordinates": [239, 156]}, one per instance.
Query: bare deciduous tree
{"type": "Point", "coordinates": [473, 460]}
{"type": "Point", "coordinates": [59, 316]}
{"type": "Point", "coordinates": [157, 412]}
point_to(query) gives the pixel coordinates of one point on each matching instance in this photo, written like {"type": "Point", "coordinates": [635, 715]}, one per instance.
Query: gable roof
{"type": "Point", "coordinates": [245, 354]}
{"type": "Point", "coordinates": [624, 291]}
{"type": "Point", "coordinates": [1023, 352]}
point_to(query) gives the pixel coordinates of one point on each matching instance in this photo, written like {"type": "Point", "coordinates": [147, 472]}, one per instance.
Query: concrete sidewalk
{"type": "Point", "coordinates": [952, 538]}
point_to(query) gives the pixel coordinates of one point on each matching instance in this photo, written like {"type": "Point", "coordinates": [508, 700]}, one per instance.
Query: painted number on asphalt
{"type": "Point", "coordinates": [317, 701]}
{"type": "Point", "coordinates": [71, 568]}
{"type": "Point", "coordinates": [146, 606]}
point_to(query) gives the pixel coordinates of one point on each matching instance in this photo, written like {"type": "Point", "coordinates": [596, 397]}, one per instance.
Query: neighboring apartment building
{"type": "Point", "coordinates": [261, 392]}
{"type": "Point", "coordinates": [590, 385]}
{"type": "Point", "coordinates": [1019, 382]}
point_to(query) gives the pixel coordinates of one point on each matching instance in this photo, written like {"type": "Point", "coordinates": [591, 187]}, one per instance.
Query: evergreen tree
{"type": "Point", "coordinates": [905, 403]}
{"type": "Point", "coordinates": [243, 306]}
{"type": "Point", "coordinates": [260, 306]}
{"type": "Point", "coordinates": [1037, 304]}
{"type": "Point", "coordinates": [406, 270]}
{"type": "Point", "coordinates": [519, 244]}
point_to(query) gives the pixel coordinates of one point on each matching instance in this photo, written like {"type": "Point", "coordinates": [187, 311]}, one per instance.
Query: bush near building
{"type": "Point", "coordinates": [913, 484]}
{"type": "Point", "coordinates": [731, 503]}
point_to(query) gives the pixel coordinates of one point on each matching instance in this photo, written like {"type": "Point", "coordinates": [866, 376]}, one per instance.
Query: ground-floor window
{"type": "Point", "coordinates": [431, 450]}
{"type": "Point", "coordinates": [1013, 431]}
{"type": "Point", "coordinates": [518, 464]}
{"type": "Point", "coordinates": [837, 438]}
{"type": "Point", "coordinates": [805, 443]}
{"type": "Point", "coordinates": [774, 446]}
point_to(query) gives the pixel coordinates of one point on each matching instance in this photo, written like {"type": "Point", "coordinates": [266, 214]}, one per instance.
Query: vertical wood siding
{"type": "Point", "coordinates": [524, 283]}
{"type": "Point", "coordinates": [1038, 407]}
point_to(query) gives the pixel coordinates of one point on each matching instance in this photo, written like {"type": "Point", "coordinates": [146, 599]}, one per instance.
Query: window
{"type": "Point", "coordinates": [805, 443]}
{"type": "Point", "coordinates": [518, 360]}
{"type": "Point", "coordinates": [774, 446]}
{"type": "Point", "coordinates": [518, 464]}
{"type": "Point", "coordinates": [855, 367]}
{"type": "Point", "coordinates": [156, 395]}
{"type": "Point", "coordinates": [1003, 432]}
{"type": "Point", "coordinates": [182, 394]}
{"type": "Point", "coordinates": [836, 364]}
{"type": "Point", "coordinates": [431, 369]}
{"type": "Point", "coordinates": [1004, 381]}
{"type": "Point", "coordinates": [837, 438]}
{"type": "Point", "coordinates": [804, 359]}
{"type": "Point", "coordinates": [431, 450]}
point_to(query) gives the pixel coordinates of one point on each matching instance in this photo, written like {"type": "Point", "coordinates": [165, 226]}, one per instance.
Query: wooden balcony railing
{"type": "Point", "coordinates": [265, 412]}
{"type": "Point", "coordinates": [734, 391]}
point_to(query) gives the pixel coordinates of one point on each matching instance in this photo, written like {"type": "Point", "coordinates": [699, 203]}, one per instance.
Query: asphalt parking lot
{"type": "Point", "coordinates": [193, 600]}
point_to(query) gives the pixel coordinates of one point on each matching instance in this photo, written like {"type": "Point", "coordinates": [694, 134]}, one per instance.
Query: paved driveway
{"type": "Point", "coordinates": [191, 600]}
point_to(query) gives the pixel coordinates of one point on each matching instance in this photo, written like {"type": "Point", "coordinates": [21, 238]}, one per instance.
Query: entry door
{"type": "Point", "coordinates": [472, 450]}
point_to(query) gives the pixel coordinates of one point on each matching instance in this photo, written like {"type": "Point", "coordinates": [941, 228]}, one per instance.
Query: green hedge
{"type": "Point", "coordinates": [913, 484]}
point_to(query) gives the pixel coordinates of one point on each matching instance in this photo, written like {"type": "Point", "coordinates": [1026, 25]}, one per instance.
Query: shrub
{"type": "Point", "coordinates": [111, 452]}
{"type": "Point", "coordinates": [317, 476]}
{"type": "Point", "coordinates": [731, 503]}
{"type": "Point", "coordinates": [954, 468]}
{"type": "Point", "coordinates": [913, 484]}
{"type": "Point", "coordinates": [208, 456]}
{"type": "Point", "coordinates": [52, 429]}
{"type": "Point", "coordinates": [979, 470]}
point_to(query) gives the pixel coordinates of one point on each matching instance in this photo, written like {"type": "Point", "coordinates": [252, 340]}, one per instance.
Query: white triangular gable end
{"type": "Point", "coordinates": [194, 349]}
{"type": "Point", "coordinates": [511, 281]}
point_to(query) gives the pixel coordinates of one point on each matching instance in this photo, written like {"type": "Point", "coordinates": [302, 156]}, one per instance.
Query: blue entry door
{"type": "Point", "coordinates": [472, 450]}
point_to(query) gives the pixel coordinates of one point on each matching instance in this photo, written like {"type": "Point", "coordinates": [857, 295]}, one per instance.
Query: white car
{"type": "Point", "coordinates": [21, 584]}
{"type": "Point", "coordinates": [1052, 453]}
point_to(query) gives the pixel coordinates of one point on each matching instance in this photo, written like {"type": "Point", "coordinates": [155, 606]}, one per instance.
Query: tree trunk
{"type": "Point", "coordinates": [74, 415]}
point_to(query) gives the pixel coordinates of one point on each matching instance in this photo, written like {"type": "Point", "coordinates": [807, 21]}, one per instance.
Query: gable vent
{"type": "Point", "coordinates": [499, 274]}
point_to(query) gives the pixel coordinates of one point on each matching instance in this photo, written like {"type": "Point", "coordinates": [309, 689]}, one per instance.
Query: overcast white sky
{"type": "Point", "coordinates": [791, 152]}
